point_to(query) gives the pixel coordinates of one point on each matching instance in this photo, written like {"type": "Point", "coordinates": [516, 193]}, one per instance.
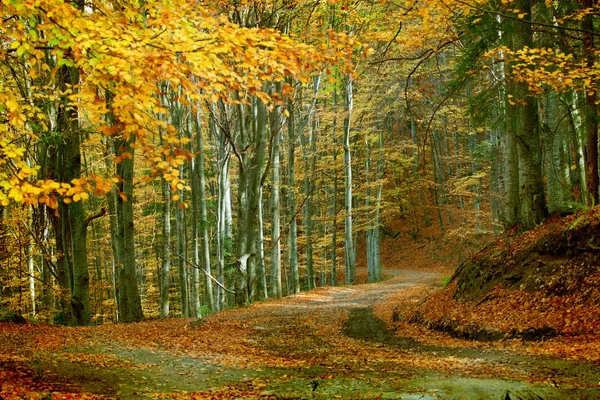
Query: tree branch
{"type": "Point", "coordinates": [194, 265]}
{"type": "Point", "coordinates": [93, 217]}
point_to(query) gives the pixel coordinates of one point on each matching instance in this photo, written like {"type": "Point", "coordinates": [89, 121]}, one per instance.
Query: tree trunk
{"type": "Point", "coordinates": [373, 210]}
{"type": "Point", "coordinates": [223, 157]}
{"type": "Point", "coordinates": [532, 204]}
{"type": "Point", "coordinates": [557, 167]}
{"type": "Point", "coordinates": [111, 200]}
{"type": "Point", "coordinates": [130, 306]}
{"type": "Point", "coordinates": [249, 185]}
{"type": "Point", "coordinates": [261, 267]}
{"type": "Point", "coordinates": [165, 268]}
{"type": "Point", "coordinates": [68, 124]}
{"type": "Point", "coordinates": [31, 271]}
{"type": "Point", "coordinates": [180, 226]}
{"type": "Point", "coordinates": [205, 258]}
{"type": "Point", "coordinates": [578, 178]}
{"type": "Point", "coordinates": [294, 286]}
{"type": "Point", "coordinates": [334, 205]}
{"type": "Point", "coordinates": [349, 254]}
{"type": "Point", "coordinates": [591, 109]}
{"type": "Point", "coordinates": [511, 173]}
{"type": "Point", "coordinates": [275, 269]}
{"type": "Point", "coordinates": [195, 225]}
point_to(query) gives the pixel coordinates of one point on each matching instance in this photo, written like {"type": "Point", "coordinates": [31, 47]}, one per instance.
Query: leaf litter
{"type": "Point", "coordinates": [278, 349]}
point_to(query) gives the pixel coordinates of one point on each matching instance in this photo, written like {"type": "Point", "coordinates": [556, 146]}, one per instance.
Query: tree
{"type": "Point", "coordinates": [591, 104]}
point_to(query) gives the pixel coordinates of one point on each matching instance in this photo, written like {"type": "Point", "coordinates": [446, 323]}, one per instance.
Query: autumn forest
{"type": "Point", "coordinates": [178, 158]}
{"type": "Point", "coordinates": [217, 177]}
{"type": "Point", "coordinates": [175, 158]}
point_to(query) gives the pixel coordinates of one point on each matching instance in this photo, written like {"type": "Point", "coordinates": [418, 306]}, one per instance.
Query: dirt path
{"type": "Point", "coordinates": [323, 344]}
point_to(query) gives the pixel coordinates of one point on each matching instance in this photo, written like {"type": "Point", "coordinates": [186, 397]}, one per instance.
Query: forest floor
{"type": "Point", "coordinates": [331, 342]}
{"type": "Point", "coordinates": [532, 301]}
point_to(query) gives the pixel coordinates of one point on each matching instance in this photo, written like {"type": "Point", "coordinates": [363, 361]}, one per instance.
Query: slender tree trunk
{"type": "Point", "coordinates": [557, 167]}
{"type": "Point", "coordinates": [495, 188]}
{"type": "Point", "coordinates": [438, 179]}
{"type": "Point", "coordinates": [63, 274]}
{"type": "Point", "coordinates": [31, 271]}
{"type": "Point", "coordinates": [511, 176]}
{"type": "Point", "coordinates": [243, 251]}
{"type": "Point", "coordinates": [372, 210]}
{"type": "Point", "coordinates": [349, 254]}
{"type": "Point", "coordinates": [373, 204]}
{"type": "Point", "coordinates": [184, 295]}
{"type": "Point", "coordinates": [130, 306]}
{"type": "Point", "coordinates": [256, 182]}
{"type": "Point", "coordinates": [48, 294]}
{"type": "Point", "coordinates": [511, 157]}
{"type": "Point", "coordinates": [294, 286]}
{"type": "Point", "coordinates": [199, 163]}
{"type": "Point", "coordinates": [223, 158]}
{"type": "Point", "coordinates": [275, 268]}
{"type": "Point", "coordinates": [579, 177]}
{"type": "Point", "coordinates": [416, 179]}
{"type": "Point", "coordinates": [249, 185]}
{"type": "Point", "coordinates": [165, 269]}
{"type": "Point", "coordinates": [309, 149]}
{"type": "Point", "coordinates": [334, 206]}
{"type": "Point", "coordinates": [111, 200]}
{"type": "Point", "coordinates": [591, 114]}
{"type": "Point", "coordinates": [195, 225]}
{"type": "Point", "coordinates": [261, 267]}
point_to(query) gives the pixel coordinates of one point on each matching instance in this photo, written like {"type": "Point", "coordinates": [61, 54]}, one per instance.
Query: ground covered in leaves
{"type": "Point", "coordinates": [540, 285]}
{"type": "Point", "coordinates": [344, 342]}
{"type": "Point", "coordinates": [530, 301]}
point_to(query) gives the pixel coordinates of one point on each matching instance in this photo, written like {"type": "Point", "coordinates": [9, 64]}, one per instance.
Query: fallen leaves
{"type": "Point", "coordinates": [284, 343]}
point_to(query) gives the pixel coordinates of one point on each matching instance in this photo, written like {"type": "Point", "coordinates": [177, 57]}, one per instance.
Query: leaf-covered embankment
{"type": "Point", "coordinates": [536, 285]}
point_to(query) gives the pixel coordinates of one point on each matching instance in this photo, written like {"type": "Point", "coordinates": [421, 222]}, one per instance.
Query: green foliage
{"type": "Point", "coordinates": [58, 319]}
{"type": "Point", "coordinates": [12, 317]}
{"type": "Point", "coordinates": [204, 311]}
{"type": "Point", "coordinates": [576, 222]}
{"type": "Point", "coordinates": [576, 206]}
{"type": "Point", "coordinates": [444, 281]}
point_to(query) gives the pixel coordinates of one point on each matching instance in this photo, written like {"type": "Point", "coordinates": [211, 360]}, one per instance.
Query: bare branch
{"type": "Point", "coordinates": [194, 265]}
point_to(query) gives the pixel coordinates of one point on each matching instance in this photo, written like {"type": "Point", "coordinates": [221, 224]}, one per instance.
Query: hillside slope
{"type": "Point", "coordinates": [532, 286]}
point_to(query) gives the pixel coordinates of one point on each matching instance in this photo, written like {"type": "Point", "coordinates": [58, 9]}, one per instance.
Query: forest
{"type": "Point", "coordinates": [292, 199]}
{"type": "Point", "coordinates": [170, 158]}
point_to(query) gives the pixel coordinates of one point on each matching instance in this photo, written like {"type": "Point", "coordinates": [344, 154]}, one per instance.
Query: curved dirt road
{"type": "Point", "coordinates": [324, 344]}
